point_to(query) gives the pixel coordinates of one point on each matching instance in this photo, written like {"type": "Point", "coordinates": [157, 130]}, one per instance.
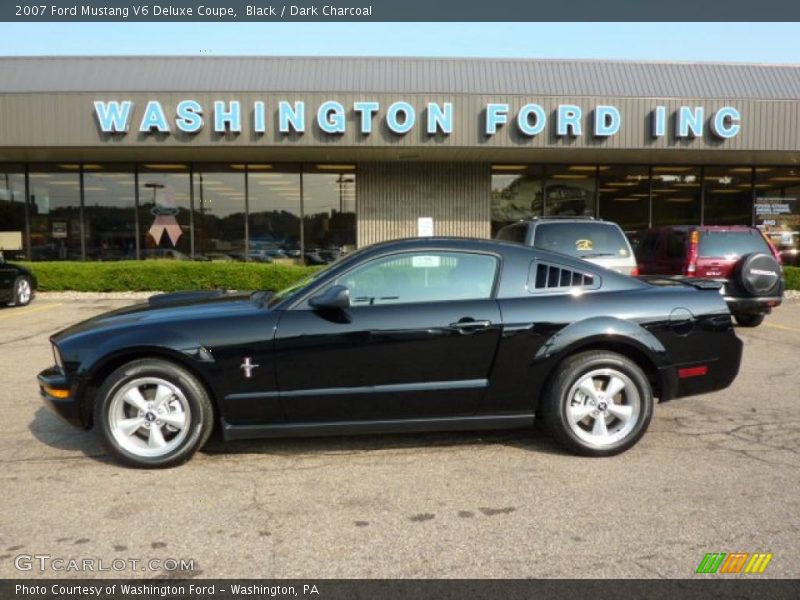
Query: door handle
{"type": "Point", "coordinates": [470, 325]}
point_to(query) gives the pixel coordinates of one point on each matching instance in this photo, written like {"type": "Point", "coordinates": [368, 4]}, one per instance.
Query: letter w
{"type": "Point", "coordinates": [113, 116]}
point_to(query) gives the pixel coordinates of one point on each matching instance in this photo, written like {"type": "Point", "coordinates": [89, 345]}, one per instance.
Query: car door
{"type": "Point", "coordinates": [417, 341]}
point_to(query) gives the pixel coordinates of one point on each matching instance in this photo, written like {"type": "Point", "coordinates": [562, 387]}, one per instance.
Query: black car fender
{"type": "Point", "coordinates": [614, 334]}
{"type": "Point", "coordinates": [167, 344]}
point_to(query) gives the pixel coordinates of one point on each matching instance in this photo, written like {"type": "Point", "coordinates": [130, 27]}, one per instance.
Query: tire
{"type": "Point", "coordinates": [565, 401]}
{"type": "Point", "coordinates": [153, 413]}
{"type": "Point", "coordinates": [758, 274]}
{"type": "Point", "coordinates": [22, 294]}
{"type": "Point", "coordinates": [745, 320]}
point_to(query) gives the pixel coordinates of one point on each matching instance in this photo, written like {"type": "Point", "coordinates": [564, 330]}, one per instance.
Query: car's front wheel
{"type": "Point", "coordinates": [598, 404]}
{"type": "Point", "coordinates": [153, 413]}
{"type": "Point", "coordinates": [23, 291]}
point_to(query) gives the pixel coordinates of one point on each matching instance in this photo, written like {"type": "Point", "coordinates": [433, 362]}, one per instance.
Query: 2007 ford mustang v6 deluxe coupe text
{"type": "Point", "coordinates": [410, 335]}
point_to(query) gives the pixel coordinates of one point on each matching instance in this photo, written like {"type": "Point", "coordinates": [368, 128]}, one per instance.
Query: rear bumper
{"type": "Point", "coordinates": [758, 306]}
{"type": "Point", "coordinates": [59, 396]}
{"type": "Point", "coordinates": [692, 379]}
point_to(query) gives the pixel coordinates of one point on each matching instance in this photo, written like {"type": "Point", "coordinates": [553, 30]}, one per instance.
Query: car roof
{"type": "Point", "coordinates": [556, 219]}
{"type": "Point", "coordinates": [508, 249]}
{"type": "Point", "coordinates": [705, 228]}
{"type": "Point", "coordinates": [443, 241]}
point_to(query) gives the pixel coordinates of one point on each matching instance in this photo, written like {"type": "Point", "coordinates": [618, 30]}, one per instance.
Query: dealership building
{"type": "Point", "coordinates": [107, 158]}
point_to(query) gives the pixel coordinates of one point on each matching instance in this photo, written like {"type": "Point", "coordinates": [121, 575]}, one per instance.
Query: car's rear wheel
{"type": "Point", "coordinates": [23, 291]}
{"type": "Point", "coordinates": [599, 403]}
{"type": "Point", "coordinates": [748, 320]}
{"type": "Point", "coordinates": [153, 413]}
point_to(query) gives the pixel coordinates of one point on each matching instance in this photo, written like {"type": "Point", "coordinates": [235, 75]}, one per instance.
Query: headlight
{"type": "Point", "coordinates": [57, 357]}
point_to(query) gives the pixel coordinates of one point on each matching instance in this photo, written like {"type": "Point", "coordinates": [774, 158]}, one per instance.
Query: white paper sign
{"type": "Point", "coordinates": [425, 227]}
{"type": "Point", "coordinates": [426, 262]}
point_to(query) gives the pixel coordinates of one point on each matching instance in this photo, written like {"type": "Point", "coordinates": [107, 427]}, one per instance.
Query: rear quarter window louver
{"type": "Point", "coordinates": [548, 277]}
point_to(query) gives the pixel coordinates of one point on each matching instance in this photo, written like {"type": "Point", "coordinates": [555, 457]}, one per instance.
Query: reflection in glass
{"type": "Point", "coordinates": [570, 190]}
{"type": "Point", "coordinates": [164, 212]}
{"type": "Point", "coordinates": [777, 209]}
{"type": "Point", "coordinates": [624, 196]}
{"type": "Point", "coordinates": [219, 202]}
{"type": "Point", "coordinates": [109, 208]}
{"type": "Point", "coordinates": [12, 211]}
{"type": "Point", "coordinates": [676, 195]}
{"type": "Point", "coordinates": [728, 196]}
{"type": "Point", "coordinates": [516, 194]}
{"type": "Point", "coordinates": [329, 223]}
{"type": "Point", "coordinates": [274, 219]}
{"type": "Point", "coordinates": [55, 212]}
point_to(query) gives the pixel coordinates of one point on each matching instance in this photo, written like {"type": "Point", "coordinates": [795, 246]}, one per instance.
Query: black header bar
{"type": "Point", "coordinates": [710, 586]}
{"type": "Point", "coordinates": [402, 10]}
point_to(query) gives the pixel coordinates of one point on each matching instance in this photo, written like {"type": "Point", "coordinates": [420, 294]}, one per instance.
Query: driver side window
{"type": "Point", "coordinates": [421, 277]}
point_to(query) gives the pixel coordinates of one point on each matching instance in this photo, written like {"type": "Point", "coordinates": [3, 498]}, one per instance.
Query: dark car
{"type": "Point", "coordinates": [787, 244]}
{"type": "Point", "coordinates": [741, 258]}
{"type": "Point", "coordinates": [410, 335]}
{"type": "Point", "coordinates": [17, 284]}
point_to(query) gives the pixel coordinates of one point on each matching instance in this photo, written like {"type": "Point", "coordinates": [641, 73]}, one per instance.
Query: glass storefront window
{"type": "Point", "coordinates": [55, 212]}
{"type": "Point", "coordinates": [625, 196]}
{"type": "Point", "coordinates": [516, 194]}
{"type": "Point", "coordinates": [777, 209]}
{"type": "Point", "coordinates": [274, 218]}
{"type": "Point", "coordinates": [219, 205]}
{"type": "Point", "coordinates": [109, 209]}
{"type": "Point", "coordinates": [165, 211]}
{"type": "Point", "coordinates": [728, 196]}
{"type": "Point", "coordinates": [329, 209]}
{"type": "Point", "coordinates": [570, 190]}
{"type": "Point", "coordinates": [676, 195]}
{"type": "Point", "coordinates": [12, 211]}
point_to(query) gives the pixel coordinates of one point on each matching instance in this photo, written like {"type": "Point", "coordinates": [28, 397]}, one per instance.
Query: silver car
{"type": "Point", "coordinates": [600, 242]}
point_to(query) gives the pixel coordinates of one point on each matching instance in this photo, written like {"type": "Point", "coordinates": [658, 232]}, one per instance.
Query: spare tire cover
{"type": "Point", "coordinates": [758, 274]}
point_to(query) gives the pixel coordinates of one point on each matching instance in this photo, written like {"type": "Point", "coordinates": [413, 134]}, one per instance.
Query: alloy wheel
{"type": "Point", "coordinates": [23, 291]}
{"type": "Point", "coordinates": [603, 407]}
{"type": "Point", "coordinates": [149, 417]}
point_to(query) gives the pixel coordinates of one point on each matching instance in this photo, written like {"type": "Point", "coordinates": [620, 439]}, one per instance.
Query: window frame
{"type": "Point", "coordinates": [302, 302]}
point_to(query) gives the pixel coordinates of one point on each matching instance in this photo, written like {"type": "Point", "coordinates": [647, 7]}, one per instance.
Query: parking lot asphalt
{"type": "Point", "coordinates": [715, 473]}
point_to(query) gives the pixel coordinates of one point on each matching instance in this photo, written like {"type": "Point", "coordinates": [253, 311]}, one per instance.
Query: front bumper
{"type": "Point", "coordinates": [59, 396]}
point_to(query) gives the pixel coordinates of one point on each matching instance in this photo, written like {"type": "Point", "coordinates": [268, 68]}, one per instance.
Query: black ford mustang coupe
{"type": "Point", "coordinates": [411, 335]}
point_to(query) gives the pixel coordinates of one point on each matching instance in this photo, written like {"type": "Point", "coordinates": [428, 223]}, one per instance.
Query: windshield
{"type": "Point", "coordinates": [582, 240]}
{"type": "Point", "coordinates": [294, 288]}
{"type": "Point", "coordinates": [303, 283]}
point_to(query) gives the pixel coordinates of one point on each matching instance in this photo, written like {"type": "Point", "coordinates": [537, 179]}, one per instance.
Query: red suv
{"type": "Point", "coordinates": [741, 257]}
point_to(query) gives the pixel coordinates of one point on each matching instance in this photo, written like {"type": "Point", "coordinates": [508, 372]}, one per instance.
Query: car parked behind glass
{"type": "Point", "coordinates": [17, 284]}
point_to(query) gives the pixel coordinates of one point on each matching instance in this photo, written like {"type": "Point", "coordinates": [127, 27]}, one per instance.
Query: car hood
{"type": "Point", "coordinates": [169, 308]}
{"type": "Point", "coordinates": [19, 268]}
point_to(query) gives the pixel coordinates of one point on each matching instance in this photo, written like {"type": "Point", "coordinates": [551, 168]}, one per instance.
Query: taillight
{"type": "Point", "coordinates": [694, 242]}
{"type": "Point", "coordinates": [635, 272]}
{"type": "Point", "coordinates": [775, 254]}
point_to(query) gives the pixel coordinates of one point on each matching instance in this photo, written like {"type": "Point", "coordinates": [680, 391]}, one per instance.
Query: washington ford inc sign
{"type": "Point", "coordinates": [117, 117]}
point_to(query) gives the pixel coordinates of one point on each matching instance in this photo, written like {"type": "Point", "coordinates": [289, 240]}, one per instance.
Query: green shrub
{"type": "Point", "coordinates": [792, 275]}
{"type": "Point", "coordinates": [163, 275]}
{"type": "Point", "coordinates": [173, 276]}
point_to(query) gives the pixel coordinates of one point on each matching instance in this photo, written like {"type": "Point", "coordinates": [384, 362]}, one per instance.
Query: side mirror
{"type": "Point", "coordinates": [335, 297]}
